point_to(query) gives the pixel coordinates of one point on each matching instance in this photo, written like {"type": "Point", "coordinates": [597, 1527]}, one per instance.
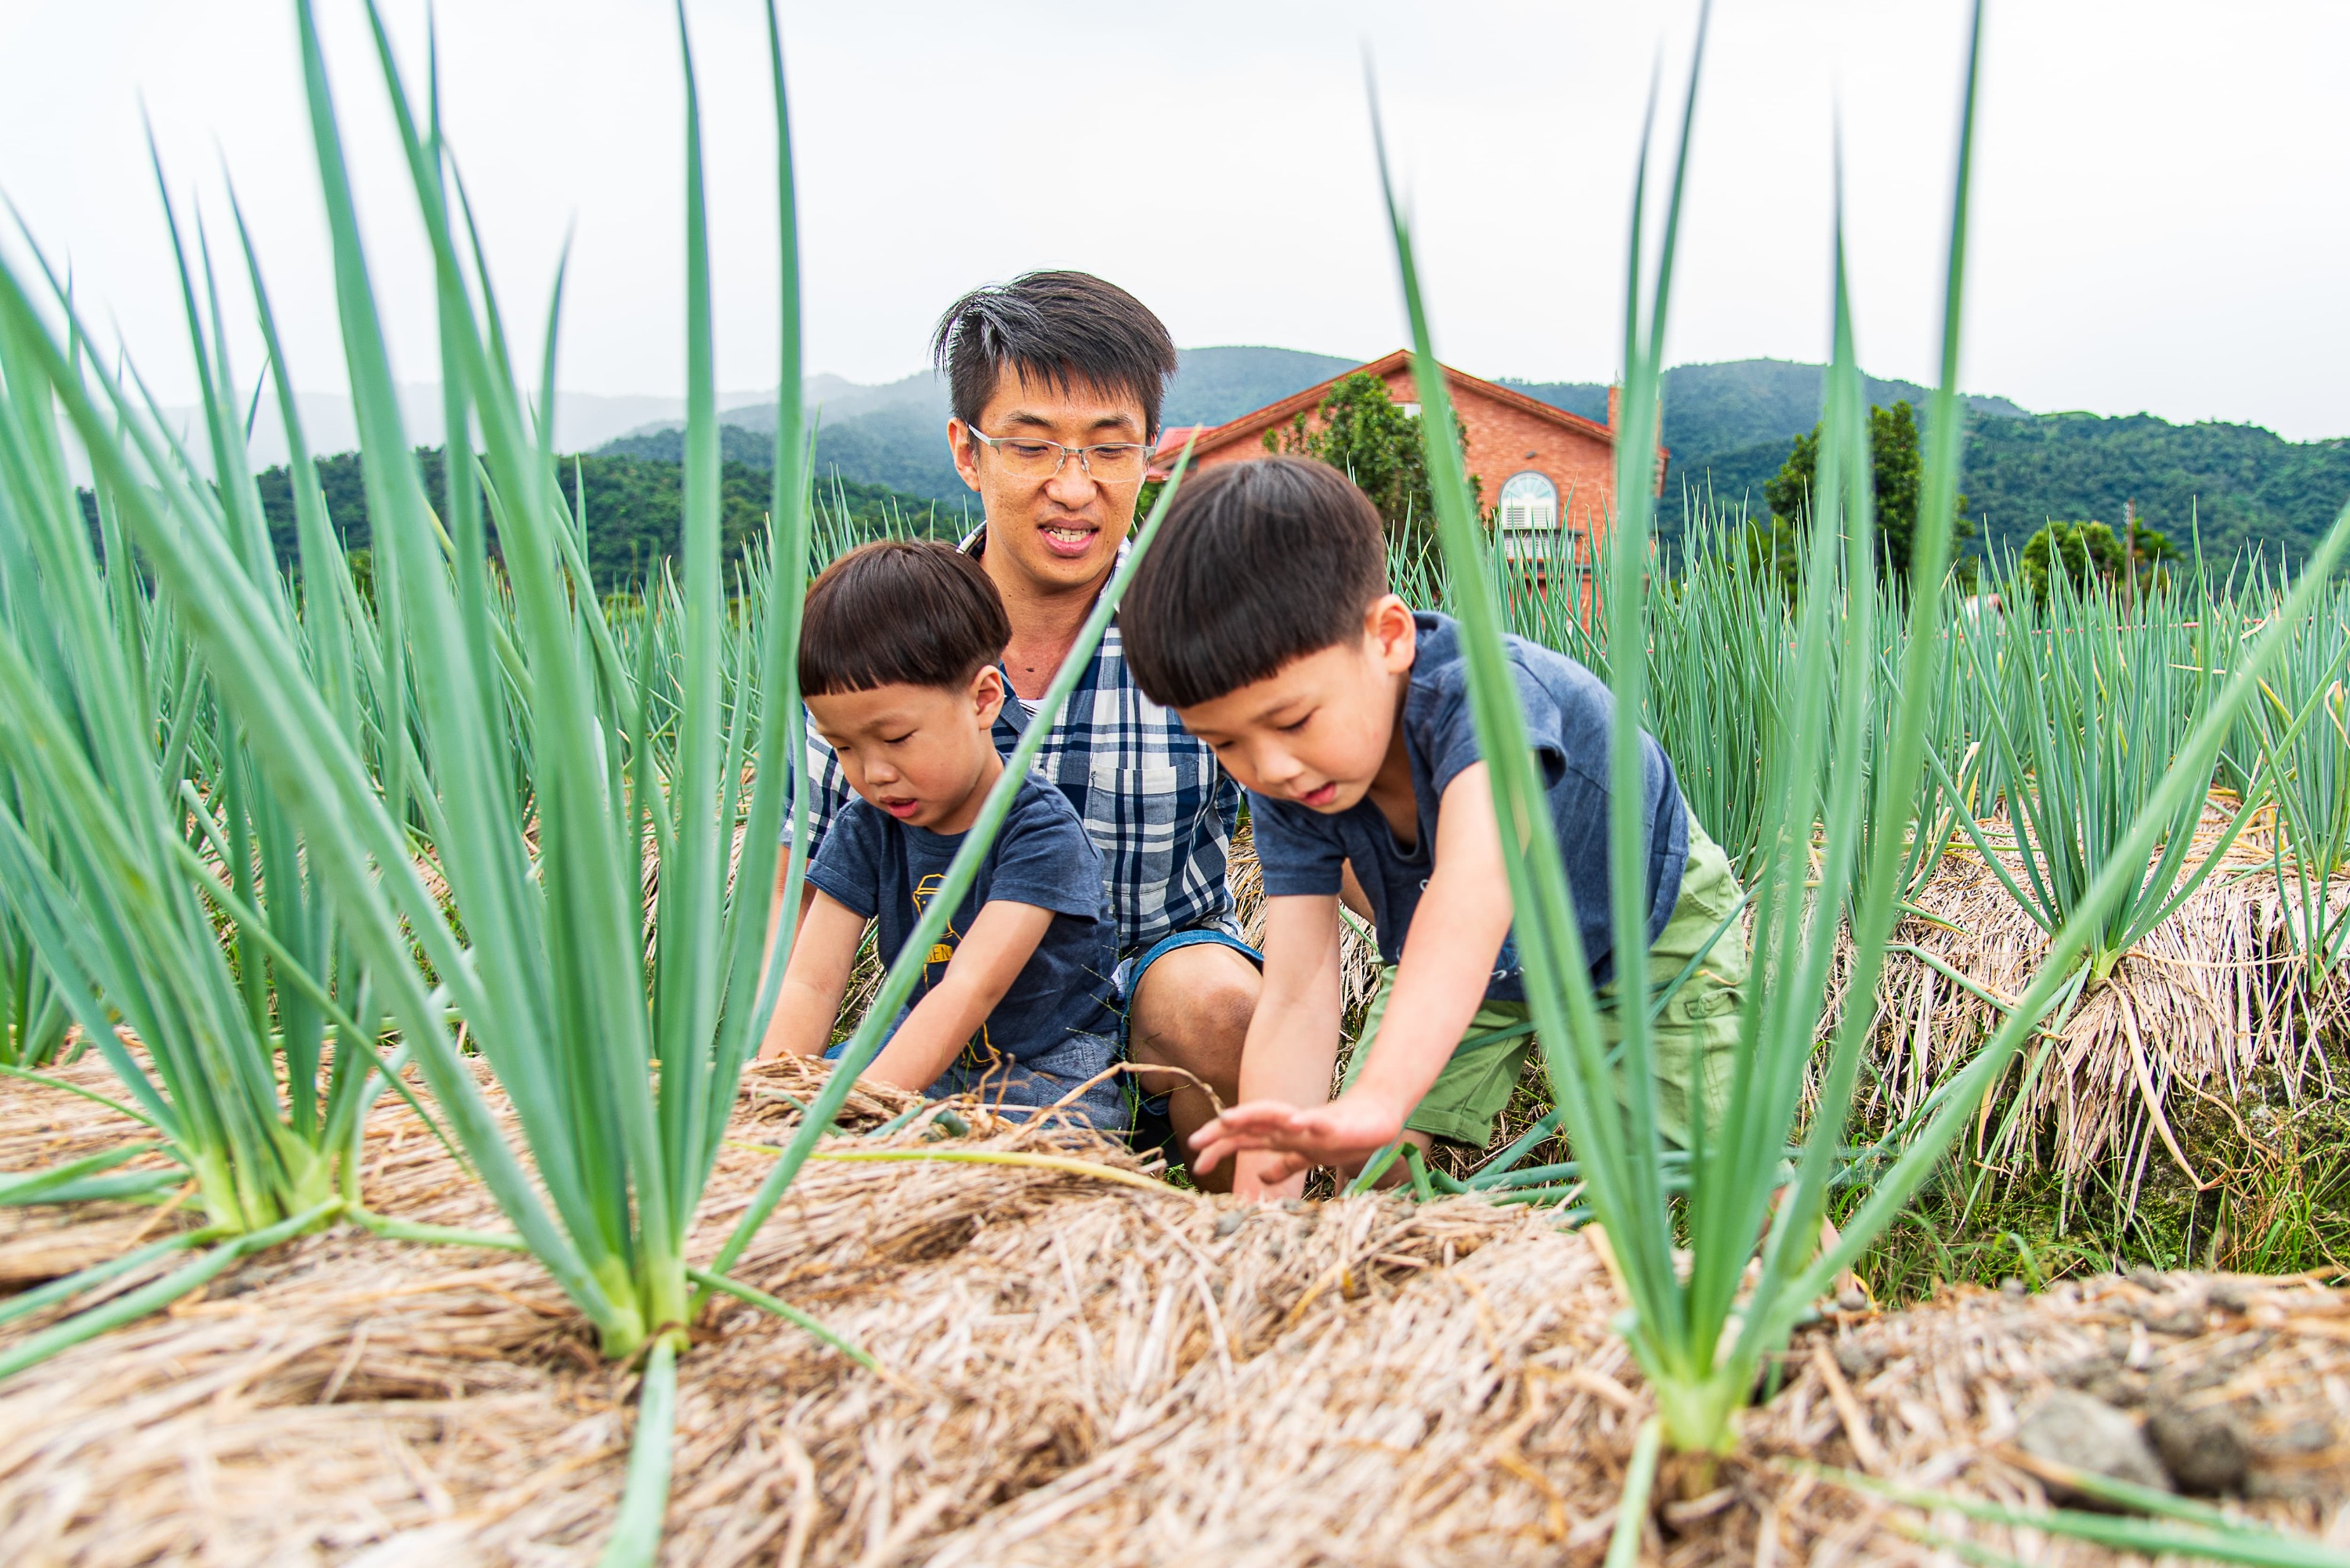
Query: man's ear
{"type": "Point", "coordinates": [987, 693]}
{"type": "Point", "coordinates": [965, 451]}
{"type": "Point", "coordinates": [1388, 625]}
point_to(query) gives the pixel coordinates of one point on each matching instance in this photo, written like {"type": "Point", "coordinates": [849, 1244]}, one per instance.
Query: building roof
{"type": "Point", "coordinates": [1253, 424]}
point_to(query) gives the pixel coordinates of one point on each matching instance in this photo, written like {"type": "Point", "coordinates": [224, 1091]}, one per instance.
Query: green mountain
{"type": "Point", "coordinates": [1728, 427]}
{"type": "Point", "coordinates": [894, 435]}
{"type": "Point", "coordinates": [633, 505]}
{"type": "Point", "coordinates": [1219, 384]}
{"type": "Point", "coordinates": [2237, 487]}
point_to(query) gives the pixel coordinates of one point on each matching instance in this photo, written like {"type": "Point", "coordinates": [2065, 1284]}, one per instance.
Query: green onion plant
{"type": "Point", "coordinates": [2095, 698]}
{"type": "Point", "coordinates": [515, 745]}
{"type": "Point", "coordinates": [1700, 1327]}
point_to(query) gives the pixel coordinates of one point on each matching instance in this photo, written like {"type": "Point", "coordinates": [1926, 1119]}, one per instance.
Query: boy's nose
{"type": "Point", "coordinates": [1276, 767]}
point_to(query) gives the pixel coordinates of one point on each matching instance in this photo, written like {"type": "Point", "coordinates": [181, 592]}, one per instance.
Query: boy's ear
{"type": "Point", "coordinates": [987, 693]}
{"type": "Point", "coordinates": [1388, 625]}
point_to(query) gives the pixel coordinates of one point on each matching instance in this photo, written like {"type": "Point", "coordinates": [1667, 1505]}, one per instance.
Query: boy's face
{"type": "Point", "coordinates": [919, 752]}
{"type": "Point", "coordinates": [1316, 730]}
{"type": "Point", "coordinates": [1060, 532]}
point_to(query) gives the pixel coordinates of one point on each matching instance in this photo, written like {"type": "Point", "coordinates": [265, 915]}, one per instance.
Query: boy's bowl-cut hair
{"type": "Point", "coordinates": [1257, 564]}
{"type": "Point", "coordinates": [899, 611]}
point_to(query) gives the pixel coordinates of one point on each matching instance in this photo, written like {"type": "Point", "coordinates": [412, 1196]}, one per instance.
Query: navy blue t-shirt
{"type": "Point", "coordinates": [1568, 711]}
{"type": "Point", "coordinates": [886, 870]}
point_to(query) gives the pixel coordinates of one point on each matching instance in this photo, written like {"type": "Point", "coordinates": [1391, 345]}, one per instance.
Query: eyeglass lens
{"type": "Point", "coordinates": [1043, 459]}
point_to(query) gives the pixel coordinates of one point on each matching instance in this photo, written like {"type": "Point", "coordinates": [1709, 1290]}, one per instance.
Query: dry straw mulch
{"type": "Point", "coordinates": [2209, 1018]}
{"type": "Point", "coordinates": [1083, 1372]}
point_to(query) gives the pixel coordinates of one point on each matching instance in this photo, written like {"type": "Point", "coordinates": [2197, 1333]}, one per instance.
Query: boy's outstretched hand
{"type": "Point", "coordinates": [1347, 1131]}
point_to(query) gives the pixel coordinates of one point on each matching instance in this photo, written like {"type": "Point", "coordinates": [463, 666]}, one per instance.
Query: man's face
{"type": "Point", "coordinates": [1316, 730]}
{"type": "Point", "coordinates": [919, 752]}
{"type": "Point", "coordinates": [1061, 532]}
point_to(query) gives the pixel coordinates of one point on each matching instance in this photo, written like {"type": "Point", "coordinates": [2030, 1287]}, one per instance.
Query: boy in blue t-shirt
{"type": "Point", "coordinates": [898, 663]}
{"type": "Point", "coordinates": [1262, 616]}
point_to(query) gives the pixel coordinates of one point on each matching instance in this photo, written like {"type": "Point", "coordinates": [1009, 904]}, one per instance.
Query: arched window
{"type": "Point", "coordinates": [1529, 506]}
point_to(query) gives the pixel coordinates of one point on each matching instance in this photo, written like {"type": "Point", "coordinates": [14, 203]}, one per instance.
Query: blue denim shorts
{"type": "Point", "coordinates": [1019, 1087]}
{"type": "Point", "coordinates": [1129, 980]}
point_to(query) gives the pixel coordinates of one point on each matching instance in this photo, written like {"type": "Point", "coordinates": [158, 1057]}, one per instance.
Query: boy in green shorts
{"type": "Point", "coordinates": [1262, 616]}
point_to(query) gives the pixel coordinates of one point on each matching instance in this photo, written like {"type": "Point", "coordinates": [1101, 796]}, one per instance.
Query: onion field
{"type": "Point", "coordinates": [385, 1177]}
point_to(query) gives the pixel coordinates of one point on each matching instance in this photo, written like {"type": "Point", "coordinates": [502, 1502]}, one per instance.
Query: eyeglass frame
{"type": "Point", "coordinates": [1084, 462]}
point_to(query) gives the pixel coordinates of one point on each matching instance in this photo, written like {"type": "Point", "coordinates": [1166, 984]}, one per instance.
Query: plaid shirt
{"type": "Point", "coordinates": [1154, 800]}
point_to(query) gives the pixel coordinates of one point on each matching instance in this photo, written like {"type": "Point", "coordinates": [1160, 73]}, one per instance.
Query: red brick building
{"type": "Point", "coordinates": [1539, 468]}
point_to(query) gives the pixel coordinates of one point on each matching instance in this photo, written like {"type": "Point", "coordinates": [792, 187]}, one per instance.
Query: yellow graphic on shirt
{"type": "Point", "coordinates": [979, 1051]}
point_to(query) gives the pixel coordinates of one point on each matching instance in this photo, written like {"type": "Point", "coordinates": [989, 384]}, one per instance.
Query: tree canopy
{"type": "Point", "coordinates": [1365, 434]}
{"type": "Point", "coordinates": [1897, 474]}
{"type": "Point", "coordinates": [2091, 554]}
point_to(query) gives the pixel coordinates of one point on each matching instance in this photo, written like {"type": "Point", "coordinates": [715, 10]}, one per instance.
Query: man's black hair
{"type": "Point", "coordinates": [920, 613]}
{"type": "Point", "coordinates": [1257, 564]}
{"type": "Point", "coordinates": [1062, 329]}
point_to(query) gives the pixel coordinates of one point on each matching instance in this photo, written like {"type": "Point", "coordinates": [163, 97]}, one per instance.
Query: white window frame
{"type": "Point", "coordinates": [1531, 521]}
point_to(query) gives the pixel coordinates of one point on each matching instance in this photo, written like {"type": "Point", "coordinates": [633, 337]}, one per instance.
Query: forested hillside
{"type": "Point", "coordinates": [2239, 486]}
{"type": "Point", "coordinates": [633, 508]}
{"type": "Point", "coordinates": [894, 435]}
{"type": "Point", "coordinates": [1728, 427]}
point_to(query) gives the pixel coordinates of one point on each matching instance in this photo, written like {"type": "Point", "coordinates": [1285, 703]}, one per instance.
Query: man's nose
{"type": "Point", "coordinates": [1071, 487]}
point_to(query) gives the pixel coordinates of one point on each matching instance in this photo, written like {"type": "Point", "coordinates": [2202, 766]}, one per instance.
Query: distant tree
{"type": "Point", "coordinates": [634, 507]}
{"type": "Point", "coordinates": [1897, 474]}
{"type": "Point", "coordinates": [1366, 435]}
{"type": "Point", "coordinates": [2092, 555]}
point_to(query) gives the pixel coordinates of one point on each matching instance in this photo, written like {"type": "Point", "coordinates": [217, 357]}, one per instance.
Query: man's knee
{"type": "Point", "coordinates": [1192, 1009]}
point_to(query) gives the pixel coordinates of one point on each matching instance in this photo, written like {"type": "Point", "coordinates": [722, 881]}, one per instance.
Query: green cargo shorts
{"type": "Point", "coordinates": [1692, 1042]}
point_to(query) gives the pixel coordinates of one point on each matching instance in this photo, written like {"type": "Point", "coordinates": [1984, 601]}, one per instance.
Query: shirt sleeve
{"type": "Point", "coordinates": [829, 792]}
{"type": "Point", "coordinates": [1043, 857]}
{"type": "Point", "coordinates": [1571, 739]}
{"type": "Point", "coordinates": [848, 864]}
{"type": "Point", "coordinates": [1453, 744]}
{"type": "Point", "coordinates": [1299, 854]}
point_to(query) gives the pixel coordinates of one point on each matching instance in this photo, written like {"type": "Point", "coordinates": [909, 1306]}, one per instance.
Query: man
{"type": "Point", "coordinates": [1056, 381]}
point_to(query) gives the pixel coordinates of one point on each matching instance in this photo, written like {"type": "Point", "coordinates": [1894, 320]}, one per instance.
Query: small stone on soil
{"type": "Point", "coordinates": [2088, 1434]}
{"type": "Point", "coordinates": [1856, 1361]}
{"type": "Point", "coordinates": [1852, 1300]}
{"type": "Point", "coordinates": [2204, 1450]}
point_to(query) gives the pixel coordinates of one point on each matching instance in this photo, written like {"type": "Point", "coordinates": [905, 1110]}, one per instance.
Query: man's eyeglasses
{"type": "Point", "coordinates": [1027, 457]}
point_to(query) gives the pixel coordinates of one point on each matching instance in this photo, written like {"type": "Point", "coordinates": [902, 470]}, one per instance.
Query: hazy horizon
{"type": "Point", "coordinates": [2147, 238]}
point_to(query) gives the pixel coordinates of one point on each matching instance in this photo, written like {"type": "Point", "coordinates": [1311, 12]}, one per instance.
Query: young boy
{"type": "Point", "coordinates": [1263, 616]}
{"type": "Point", "coordinates": [898, 663]}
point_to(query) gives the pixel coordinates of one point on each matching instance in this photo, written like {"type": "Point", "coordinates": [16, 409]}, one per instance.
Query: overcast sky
{"type": "Point", "coordinates": [2163, 188]}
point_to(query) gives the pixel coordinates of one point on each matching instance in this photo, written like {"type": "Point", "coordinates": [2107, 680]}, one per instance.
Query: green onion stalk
{"type": "Point", "coordinates": [1700, 1335]}
{"type": "Point", "coordinates": [619, 1061]}
{"type": "Point", "coordinates": [2301, 737]}
{"type": "Point", "coordinates": [143, 798]}
{"type": "Point", "coordinates": [2096, 697]}
{"type": "Point", "coordinates": [161, 890]}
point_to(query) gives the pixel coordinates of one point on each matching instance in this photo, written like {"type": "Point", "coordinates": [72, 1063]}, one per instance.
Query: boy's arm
{"type": "Point", "coordinates": [1448, 961]}
{"type": "Point", "coordinates": [989, 959]}
{"type": "Point", "coordinates": [1292, 1045]}
{"type": "Point", "coordinates": [816, 977]}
